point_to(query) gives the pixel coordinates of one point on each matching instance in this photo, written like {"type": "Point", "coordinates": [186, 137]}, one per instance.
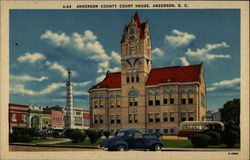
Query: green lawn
{"type": "Point", "coordinates": [86, 142]}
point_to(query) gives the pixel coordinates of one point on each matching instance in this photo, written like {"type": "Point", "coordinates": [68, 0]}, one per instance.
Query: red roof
{"type": "Point", "coordinates": [112, 80]}
{"type": "Point", "coordinates": [181, 74]}
{"type": "Point", "coordinates": [18, 105]}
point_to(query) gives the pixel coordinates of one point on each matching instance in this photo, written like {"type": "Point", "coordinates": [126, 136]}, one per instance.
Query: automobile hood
{"type": "Point", "coordinates": [151, 138]}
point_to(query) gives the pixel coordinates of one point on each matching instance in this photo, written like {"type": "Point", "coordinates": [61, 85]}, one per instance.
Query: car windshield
{"type": "Point", "coordinates": [120, 134]}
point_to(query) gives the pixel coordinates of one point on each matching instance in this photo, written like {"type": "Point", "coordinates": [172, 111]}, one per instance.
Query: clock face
{"type": "Point", "coordinates": [133, 40]}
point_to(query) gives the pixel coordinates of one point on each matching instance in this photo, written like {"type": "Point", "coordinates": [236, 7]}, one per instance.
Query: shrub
{"type": "Point", "coordinates": [106, 134]}
{"type": "Point", "coordinates": [93, 135]}
{"type": "Point", "coordinates": [230, 137]}
{"type": "Point", "coordinates": [215, 138]}
{"type": "Point", "coordinates": [68, 132]}
{"type": "Point", "coordinates": [77, 136]}
{"type": "Point", "coordinates": [20, 135]}
{"type": "Point", "coordinates": [55, 134]}
{"type": "Point", "coordinates": [200, 140]}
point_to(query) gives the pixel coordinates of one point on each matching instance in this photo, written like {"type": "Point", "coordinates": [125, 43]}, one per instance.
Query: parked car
{"type": "Point", "coordinates": [131, 139]}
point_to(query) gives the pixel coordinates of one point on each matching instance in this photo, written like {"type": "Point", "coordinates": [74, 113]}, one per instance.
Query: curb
{"type": "Point", "coordinates": [163, 149]}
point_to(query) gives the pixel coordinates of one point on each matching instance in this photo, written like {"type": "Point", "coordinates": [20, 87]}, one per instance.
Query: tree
{"type": "Point", "coordinates": [106, 134]}
{"type": "Point", "coordinates": [230, 113]}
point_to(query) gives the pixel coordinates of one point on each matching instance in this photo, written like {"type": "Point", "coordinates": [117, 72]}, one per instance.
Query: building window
{"type": "Point", "coordinates": [191, 116]}
{"type": "Point", "coordinates": [130, 118]}
{"type": "Point", "coordinates": [183, 97]}
{"type": "Point", "coordinates": [157, 131]}
{"type": "Point", "coordinates": [118, 103]}
{"type": "Point", "coordinates": [101, 118]}
{"type": "Point", "coordinates": [96, 103]}
{"type": "Point", "coordinates": [24, 118]}
{"type": "Point", "coordinates": [137, 77]}
{"type": "Point", "coordinates": [135, 118]}
{"type": "Point", "coordinates": [171, 97]}
{"type": "Point", "coordinates": [172, 131]}
{"type": "Point", "coordinates": [127, 78]}
{"type": "Point", "coordinates": [157, 117]}
{"type": "Point", "coordinates": [101, 103]}
{"type": "Point", "coordinates": [150, 118]}
{"type": "Point", "coordinates": [183, 117]}
{"type": "Point", "coordinates": [118, 119]}
{"type": "Point", "coordinates": [131, 101]}
{"type": "Point", "coordinates": [14, 117]}
{"type": "Point", "coordinates": [112, 119]}
{"type": "Point", "coordinates": [150, 100]}
{"type": "Point", "coordinates": [165, 99]}
{"type": "Point", "coordinates": [112, 103]}
{"type": "Point", "coordinates": [165, 117]}
{"type": "Point", "coordinates": [157, 99]}
{"type": "Point", "coordinates": [191, 96]}
{"type": "Point", "coordinates": [165, 131]}
{"type": "Point", "coordinates": [171, 117]}
{"type": "Point", "coordinates": [132, 78]}
{"type": "Point", "coordinates": [132, 97]}
{"type": "Point", "coordinates": [95, 119]}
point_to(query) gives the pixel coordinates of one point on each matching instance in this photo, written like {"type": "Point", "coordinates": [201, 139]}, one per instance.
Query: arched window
{"type": "Point", "coordinates": [101, 97]}
{"type": "Point", "coordinates": [165, 96]}
{"type": "Point", "coordinates": [137, 77]}
{"type": "Point", "coordinates": [132, 77]}
{"type": "Point", "coordinates": [191, 96]}
{"type": "Point", "coordinates": [132, 94]}
{"type": "Point", "coordinates": [118, 100]}
{"type": "Point", "coordinates": [183, 97]}
{"type": "Point", "coordinates": [95, 97]}
{"type": "Point", "coordinates": [127, 77]}
{"type": "Point", "coordinates": [171, 94]}
{"type": "Point", "coordinates": [150, 98]}
{"type": "Point", "coordinates": [157, 98]}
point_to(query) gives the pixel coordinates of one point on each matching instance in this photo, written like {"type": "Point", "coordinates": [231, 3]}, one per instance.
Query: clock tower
{"type": "Point", "coordinates": [136, 61]}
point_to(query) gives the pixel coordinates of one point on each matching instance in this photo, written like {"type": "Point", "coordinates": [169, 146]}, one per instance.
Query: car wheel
{"type": "Point", "coordinates": [157, 147]}
{"type": "Point", "coordinates": [121, 148]}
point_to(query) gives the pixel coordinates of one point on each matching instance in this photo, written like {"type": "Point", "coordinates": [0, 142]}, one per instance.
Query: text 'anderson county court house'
{"type": "Point", "coordinates": [152, 100]}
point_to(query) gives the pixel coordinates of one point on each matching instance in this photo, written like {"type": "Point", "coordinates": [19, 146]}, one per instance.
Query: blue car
{"type": "Point", "coordinates": [131, 139]}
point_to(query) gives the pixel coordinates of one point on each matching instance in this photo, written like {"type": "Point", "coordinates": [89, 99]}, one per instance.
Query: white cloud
{"type": "Point", "coordinates": [26, 77]}
{"type": "Point", "coordinates": [158, 52]}
{"type": "Point", "coordinates": [233, 84]}
{"type": "Point", "coordinates": [184, 61]}
{"type": "Point", "coordinates": [55, 38]}
{"type": "Point", "coordinates": [204, 53]}
{"type": "Point", "coordinates": [103, 67]}
{"type": "Point", "coordinates": [20, 88]}
{"type": "Point", "coordinates": [85, 43]}
{"type": "Point", "coordinates": [116, 56]}
{"type": "Point", "coordinates": [115, 69]}
{"type": "Point", "coordinates": [31, 57]}
{"type": "Point", "coordinates": [59, 68]}
{"type": "Point", "coordinates": [100, 78]}
{"type": "Point", "coordinates": [82, 84]}
{"type": "Point", "coordinates": [84, 93]}
{"type": "Point", "coordinates": [179, 38]}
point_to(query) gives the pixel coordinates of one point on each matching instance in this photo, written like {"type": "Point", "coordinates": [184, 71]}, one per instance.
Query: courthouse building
{"type": "Point", "coordinates": [152, 100]}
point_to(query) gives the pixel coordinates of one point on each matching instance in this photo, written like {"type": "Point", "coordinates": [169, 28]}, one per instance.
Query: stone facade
{"type": "Point", "coordinates": [152, 100]}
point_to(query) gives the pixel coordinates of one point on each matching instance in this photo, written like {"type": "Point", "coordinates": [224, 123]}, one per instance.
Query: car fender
{"type": "Point", "coordinates": [152, 143]}
{"type": "Point", "coordinates": [117, 143]}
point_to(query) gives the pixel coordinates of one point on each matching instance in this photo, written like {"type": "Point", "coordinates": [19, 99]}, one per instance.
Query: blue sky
{"type": "Point", "coordinates": [44, 43]}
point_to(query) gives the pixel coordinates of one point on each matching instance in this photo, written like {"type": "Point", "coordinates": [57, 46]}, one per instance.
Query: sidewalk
{"type": "Point", "coordinates": [62, 140]}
